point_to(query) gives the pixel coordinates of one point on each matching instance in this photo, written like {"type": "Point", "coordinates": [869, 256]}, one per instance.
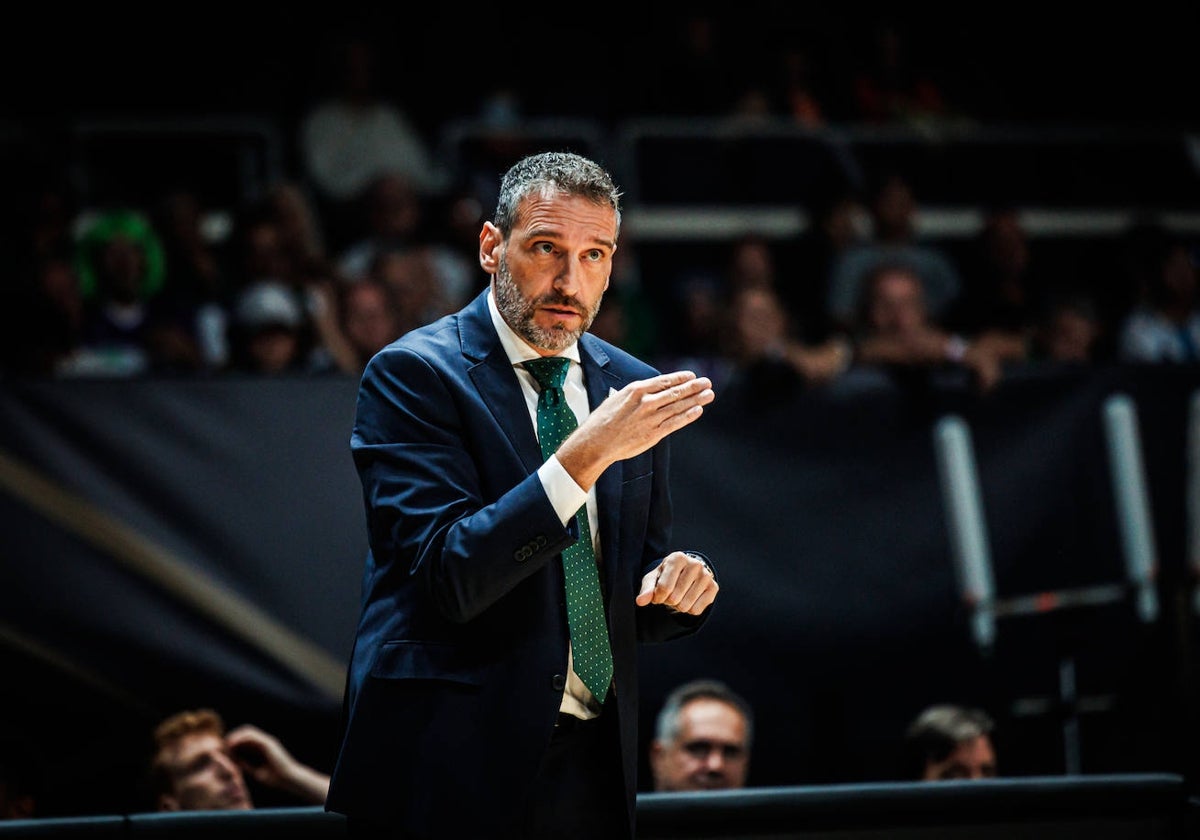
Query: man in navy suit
{"type": "Point", "coordinates": [464, 714]}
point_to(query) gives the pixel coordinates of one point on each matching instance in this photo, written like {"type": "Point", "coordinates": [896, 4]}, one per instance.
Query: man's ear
{"type": "Point", "coordinates": [490, 243]}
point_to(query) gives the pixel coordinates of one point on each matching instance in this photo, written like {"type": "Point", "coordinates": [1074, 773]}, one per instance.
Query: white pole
{"type": "Point", "coordinates": [1132, 501]}
{"type": "Point", "coordinates": [968, 530]}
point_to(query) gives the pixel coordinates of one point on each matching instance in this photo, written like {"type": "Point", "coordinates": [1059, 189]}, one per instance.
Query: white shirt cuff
{"type": "Point", "coordinates": [565, 495]}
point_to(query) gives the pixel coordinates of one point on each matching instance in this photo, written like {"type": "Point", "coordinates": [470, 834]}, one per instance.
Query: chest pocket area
{"type": "Point", "coordinates": [404, 659]}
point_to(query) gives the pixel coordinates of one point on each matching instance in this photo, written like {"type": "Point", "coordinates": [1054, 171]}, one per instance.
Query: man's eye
{"type": "Point", "coordinates": [699, 749]}
{"type": "Point", "coordinates": [595, 255]}
{"type": "Point", "coordinates": [544, 248]}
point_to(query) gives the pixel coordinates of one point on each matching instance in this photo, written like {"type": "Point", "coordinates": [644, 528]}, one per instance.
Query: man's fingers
{"type": "Point", "coordinates": [646, 595]}
{"type": "Point", "coordinates": [701, 593]}
{"type": "Point", "coordinates": [669, 380]}
{"type": "Point", "coordinates": [681, 582]}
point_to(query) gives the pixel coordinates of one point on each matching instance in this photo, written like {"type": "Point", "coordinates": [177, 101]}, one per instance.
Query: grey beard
{"type": "Point", "coordinates": [517, 311]}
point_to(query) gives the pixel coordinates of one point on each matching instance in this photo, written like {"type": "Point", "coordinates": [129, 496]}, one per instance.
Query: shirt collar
{"type": "Point", "coordinates": [515, 347]}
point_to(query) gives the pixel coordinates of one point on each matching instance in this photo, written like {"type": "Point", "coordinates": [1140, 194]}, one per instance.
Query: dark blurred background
{"type": "Point", "coordinates": [123, 477]}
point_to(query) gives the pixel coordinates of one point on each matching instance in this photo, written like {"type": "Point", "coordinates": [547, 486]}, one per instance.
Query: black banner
{"type": "Point", "coordinates": [173, 543]}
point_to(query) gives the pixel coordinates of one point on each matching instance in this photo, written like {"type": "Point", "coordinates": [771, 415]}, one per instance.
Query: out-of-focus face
{"type": "Point", "coordinates": [972, 759]}
{"type": "Point", "coordinates": [897, 305]}
{"type": "Point", "coordinates": [204, 777]}
{"type": "Point", "coordinates": [895, 209]}
{"type": "Point", "coordinates": [369, 319]}
{"type": "Point", "coordinates": [753, 264]}
{"type": "Point", "coordinates": [711, 751]}
{"type": "Point", "coordinates": [265, 257]}
{"type": "Point", "coordinates": [395, 209]}
{"type": "Point", "coordinates": [1008, 245]}
{"type": "Point", "coordinates": [273, 349]}
{"type": "Point", "coordinates": [123, 266]}
{"type": "Point", "coordinates": [1072, 337]}
{"type": "Point", "coordinates": [759, 322]}
{"type": "Point", "coordinates": [551, 273]}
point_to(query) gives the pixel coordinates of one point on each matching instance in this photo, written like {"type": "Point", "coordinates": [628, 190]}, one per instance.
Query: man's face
{"type": "Point", "coordinates": [710, 752]}
{"type": "Point", "coordinates": [552, 271]}
{"type": "Point", "coordinates": [204, 776]}
{"type": "Point", "coordinates": [972, 759]}
{"type": "Point", "coordinates": [897, 305]}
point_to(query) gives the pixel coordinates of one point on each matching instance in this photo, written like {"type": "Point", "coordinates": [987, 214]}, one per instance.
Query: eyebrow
{"type": "Point", "coordinates": [551, 233]}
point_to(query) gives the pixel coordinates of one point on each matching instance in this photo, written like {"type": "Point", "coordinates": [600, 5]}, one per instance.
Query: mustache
{"type": "Point", "coordinates": [560, 300]}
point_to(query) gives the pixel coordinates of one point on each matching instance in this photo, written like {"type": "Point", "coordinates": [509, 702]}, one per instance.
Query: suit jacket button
{"type": "Point", "coordinates": [559, 682]}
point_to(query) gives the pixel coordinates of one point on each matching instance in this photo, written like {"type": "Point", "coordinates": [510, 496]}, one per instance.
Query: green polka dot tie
{"type": "Point", "coordinates": [590, 649]}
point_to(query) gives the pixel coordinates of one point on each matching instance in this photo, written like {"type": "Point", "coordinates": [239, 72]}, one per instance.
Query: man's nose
{"type": "Point", "coordinates": [567, 280]}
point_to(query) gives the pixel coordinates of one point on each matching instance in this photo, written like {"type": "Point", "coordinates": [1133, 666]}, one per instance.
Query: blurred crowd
{"type": "Point", "coordinates": [370, 235]}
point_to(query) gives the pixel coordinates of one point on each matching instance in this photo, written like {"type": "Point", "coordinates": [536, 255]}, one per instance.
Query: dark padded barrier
{"type": "Point", "coordinates": [305, 823]}
{"type": "Point", "coordinates": [92, 828]}
{"type": "Point", "coordinates": [1101, 808]}
{"type": "Point", "coordinates": [1116, 807]}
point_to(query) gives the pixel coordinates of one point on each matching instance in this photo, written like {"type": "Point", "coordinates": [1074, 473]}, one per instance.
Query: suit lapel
{"type": "Point", "coordinates": [494, 378]}
{"type": "Point", "coordinates": [599, 381]}
{"type": "Point", "coordinates": [496, 381]}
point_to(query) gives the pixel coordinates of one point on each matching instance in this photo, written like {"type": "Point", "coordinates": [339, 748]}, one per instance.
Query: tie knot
{"type": "Point", "coordinates": [549, 371]}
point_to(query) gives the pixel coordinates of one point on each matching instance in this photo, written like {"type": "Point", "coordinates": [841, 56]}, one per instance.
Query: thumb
{"type": "Point", "coordinates": [649, 581]}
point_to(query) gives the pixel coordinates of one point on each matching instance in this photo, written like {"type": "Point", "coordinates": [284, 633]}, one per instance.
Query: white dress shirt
{"type": "Point", "coordinates": [565, 495]}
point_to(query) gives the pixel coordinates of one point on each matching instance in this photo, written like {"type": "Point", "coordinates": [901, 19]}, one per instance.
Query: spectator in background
{"type": "Point", "coordinates": [270, 331]}
{"type": "Point", "coordinates": [702, 739]}
{"type": "Point", "coordinates": [837, 222]}
{"type": "Point", "coordinates": [301, 235]}
{"type": "Point", "coordinates": [893, 240]}
{"type": "Point", "coordinates": [895, 331]}
{"type": "Point", "coordinates": [391, 214]}
{"type": "Point", "coordinates": [266, 259]}
{"type": "Point", "coordinates": [394, 219]}
{"type": "Point", "coordinates": [412, 279]}
{"type": "Point", "coordinates": [802, 101]}
{"type": "Point", "coordinates": [198, 766]}
{"type": "Point", "coordinates": [999, 288]}
{"type": "Point", "coordinates": [1164, 326]}
{"type": "Point", "coordinates": [354, 134]}
{"type": "Point", "coordinates": [22, 780]}
{"type": "Point", "coordinates": [768, 364]}
{"type": "Point", "coordinates": [129, 326]}
{"type": "Point", "coordinates": [369, 318]}
{"type": "Point", "coordinates": [949, 742]}
{"type": "Point", "coordinates": [196, 277]}
{"type": "Point", "coordinates": [1067, 328]}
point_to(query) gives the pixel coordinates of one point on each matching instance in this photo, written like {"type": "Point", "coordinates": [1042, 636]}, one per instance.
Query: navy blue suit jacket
{"type": "Point", "coordinates": [460, 656]}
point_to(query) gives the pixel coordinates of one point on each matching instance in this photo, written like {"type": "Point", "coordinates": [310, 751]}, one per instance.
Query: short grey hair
{"type": "Point", "coordinates": [667, 724]}
{"type": "Point", "coordinates": [564, 172]}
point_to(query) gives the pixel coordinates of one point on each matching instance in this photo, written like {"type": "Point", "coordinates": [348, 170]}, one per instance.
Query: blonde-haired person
{"type": "Point", "coordinates": [198, 766]}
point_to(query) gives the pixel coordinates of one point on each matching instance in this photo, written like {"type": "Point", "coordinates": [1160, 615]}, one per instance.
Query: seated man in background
{"type": "Point", "coordinates": [197, 766]}
{"type": "Point", "coordinates": [950, 742]}
{"type": "Point", "coordinates": [702, 739]}
{"type": "Point", "coordinates": [895, 329]}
